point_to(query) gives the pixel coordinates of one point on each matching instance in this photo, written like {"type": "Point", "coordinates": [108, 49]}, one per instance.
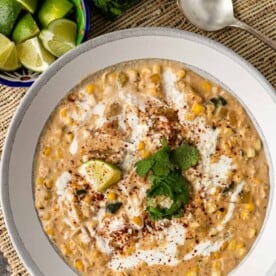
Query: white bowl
{"type": "Point", "coordinates": [202, 54]}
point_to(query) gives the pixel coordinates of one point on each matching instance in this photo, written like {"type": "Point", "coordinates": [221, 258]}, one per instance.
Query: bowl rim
{"type": "Point", "coordinates": [96, 42]}
{"type": "Point", "coordinates": [87, 17]}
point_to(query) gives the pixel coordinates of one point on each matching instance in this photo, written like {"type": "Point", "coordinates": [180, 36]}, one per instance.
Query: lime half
{"type": "Point", "coordinates": [8, 55]}
{"type": "Point", "coordinates": [25, 29]}
{"type": "Point", "coordinates": [53, 9]}
{"type": "Point", "coordinates": [9, 11]}
{"type": "Point", "coordinates": [100, 174]}
{"type": "Point", "coordinates": [59, 37]}
{"type": "Point", "coordinates": [29, 5]}
{"type": "Point", "coordinates": [33, 56]}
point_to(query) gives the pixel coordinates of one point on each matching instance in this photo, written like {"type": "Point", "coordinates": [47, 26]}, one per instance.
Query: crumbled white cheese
{"type": "Point", "coordinates": [62, 182]}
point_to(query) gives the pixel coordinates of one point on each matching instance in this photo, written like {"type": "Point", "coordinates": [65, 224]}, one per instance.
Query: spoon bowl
{"type": "Point", "coordinates": [214, 15]}
{"type": "Point", "coordinates": [208, 15]}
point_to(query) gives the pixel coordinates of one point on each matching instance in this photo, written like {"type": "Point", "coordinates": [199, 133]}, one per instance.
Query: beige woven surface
{"type": "Point", "coordinates": [260, 14]}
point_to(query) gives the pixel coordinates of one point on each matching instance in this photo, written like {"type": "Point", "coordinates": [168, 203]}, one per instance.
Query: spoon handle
{"type": "Point", "coordinates": [239, 24]}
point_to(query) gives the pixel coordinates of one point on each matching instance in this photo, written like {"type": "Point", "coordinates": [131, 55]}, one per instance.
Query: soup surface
{"type": "Point", "coordinates": [146, 168]}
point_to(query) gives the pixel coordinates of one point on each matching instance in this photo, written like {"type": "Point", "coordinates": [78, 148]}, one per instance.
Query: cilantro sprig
{"type": "Point", "coordinates": [163, 170]}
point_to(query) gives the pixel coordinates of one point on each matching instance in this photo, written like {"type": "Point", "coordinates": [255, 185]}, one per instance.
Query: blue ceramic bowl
{"type": "Point", "coordinates": [24, 77]}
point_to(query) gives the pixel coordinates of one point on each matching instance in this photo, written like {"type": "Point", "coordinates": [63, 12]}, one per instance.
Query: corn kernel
{"type": "Point", "coordinates": [63, 112]}
{"type": "Point", "coordinates": [198, 109]}
{"type": "Point", "coordinates": [66, 250]}
{"type": "Point", "coordinates": [59, 153]}
{"type": "Point", "coordinates": [216, 264]}
{"type": "Point", "coordinates": [141, 145]}
{"type": "Point", "coordinates": [145, 153]}
{"type": "Point", "coordinates": [191, 273]}
{"type": "Point", "coordinates": [111, 196]}
{"type": "Point", "coordinates": [257, 181]}
{"type": "Point", "coordinates": [87, 199]}
{"type": "Point", "coordinates": [251, 233]}
{"type": "Point", "coordinates": [79, 265]}
{"type": "Point", "coordinates": [90, 88]}
{"type": "Point", "coordinates": [47, 151]}
{"type": "Point", "coordinates": [69, 137]}
{"type": "Point", "coordinates": [189, 117]}
{"type": "Point", "coordinates": [257, 144]}
{"type": "Point", "coordinates": [250, 153]}
{"type": "Point", "coordinates": [216, 255]}
{"type": "Point", "coordinates": [145, 71]}
{"type": "Point", "coordinates": [112, 77]}
{"type": "Point", "coordinates": [232, 245]}
{"type": "Point", "coordinates": [137, 220]}
{"type": "Point", "coordinates": [244, 214]}
{"type": "Point", "coordinates": [40, 181]}
{"type": "Point", "coordinates": [50, 231]}
{"type": "Point", "coordinates": [206, 86]}
{"type": "Point", "coordinates": [250, 207]}
{"type": "Point", "coordinates": [155, 78]}
{"type": "Point", "coordinates": [47, 195]}
{"type": "Point", "coordinates": [240, 245]}
{"type": "Point", "coordinates": [242, 251]}
{"type": "Point", "coordinates": [130, 250]}
{"type": "Point", "coordinates": [181, 74]}
{"type": "Point", "coordinates": [156, 69]}
{"type": "Point", "coordinates": [46, 216]}
{"type": "Point", "coordinates": [215, 273]}
{"type": "Point", "coordinates": [48, 183]}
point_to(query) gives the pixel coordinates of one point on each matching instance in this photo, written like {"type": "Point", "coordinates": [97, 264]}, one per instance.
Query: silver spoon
{"type": "Point", "coordinates": [213, 15]}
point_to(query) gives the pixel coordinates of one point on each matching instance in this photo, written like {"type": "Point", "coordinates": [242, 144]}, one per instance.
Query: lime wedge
{"type": "Point", "coordinates": [8, 55]}
{"type": "Point", "coordinates": [59, 37]}
{"type": "Point", "coordinates": [25, 29]}
{"type": "Point", "coordinates": [33, 56]}
{"type": "Point", "coordinates": [100, 174]}
{"type": "Point", "coordinates": [9, 11]}
{"type": "Point", "coordinates": [29, 5]}
{"type": "Point", "coordinates": [53, 9]}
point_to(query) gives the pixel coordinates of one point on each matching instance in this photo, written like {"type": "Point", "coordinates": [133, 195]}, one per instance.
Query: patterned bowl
{"type": "Point", "coordinates": [24, 77]}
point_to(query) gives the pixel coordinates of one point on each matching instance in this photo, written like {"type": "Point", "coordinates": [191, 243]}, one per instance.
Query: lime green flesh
{"type": "Point", "coordinates": [33, 56]}
{"type": "Point", "coordinates": [25, 28]}
{"type": "Point", "coordinates": [100, 174]}
{"type": "Point", "coordinates": [8, 55]}
{"type": "Point", "coordinates": [29, 5]}
{"type": "Point", "coordinates": [9, 11]}
{"type": "Point", "coordinates": [53, 9]}
{"type": "Point", "coordinates": [60, 36]}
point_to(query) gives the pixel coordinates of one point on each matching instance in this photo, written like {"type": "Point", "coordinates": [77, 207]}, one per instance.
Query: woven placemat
{"type": "Point", "coordinates": [260, 14]}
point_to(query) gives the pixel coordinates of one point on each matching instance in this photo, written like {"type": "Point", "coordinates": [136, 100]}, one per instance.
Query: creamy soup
{"type": "Point", "coordinates": [147, 168]}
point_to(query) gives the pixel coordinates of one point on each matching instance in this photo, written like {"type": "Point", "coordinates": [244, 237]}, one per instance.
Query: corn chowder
{"type": "Point", "coordinates": [146, 168]}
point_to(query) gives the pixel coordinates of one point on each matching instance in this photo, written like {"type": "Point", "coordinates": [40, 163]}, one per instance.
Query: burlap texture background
{"type": "Point", "coordinates": [260, 14]}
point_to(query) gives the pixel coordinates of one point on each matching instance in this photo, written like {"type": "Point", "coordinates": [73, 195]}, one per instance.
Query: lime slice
{"type": "Point", "coordinates": [60, 36]}
{"type": "Point", "coordinates": [29, 5]}
{"type": "Point", "coordinates": [100, 174]}
{"type": "Point", "coordinates": [9, 11]}
{"type": "Point", "coordinates": [53, 9]}
{"type": "Point", "coordinates": [8, 55]}
{"type": "Point", "coordinates": [25, 29]}
{"type": "Point", "coordinates": [33, 56]}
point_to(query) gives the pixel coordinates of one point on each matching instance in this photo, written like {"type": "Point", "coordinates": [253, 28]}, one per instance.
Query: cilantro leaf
{"type": "Point", "coordinates": [166, 179]}
{"type": "Point", "coordinates": [143, 166]}
{"type": "Point", "coordinates": [185, 156]}
{"type": "Point", "coordinates": [162, 163]}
